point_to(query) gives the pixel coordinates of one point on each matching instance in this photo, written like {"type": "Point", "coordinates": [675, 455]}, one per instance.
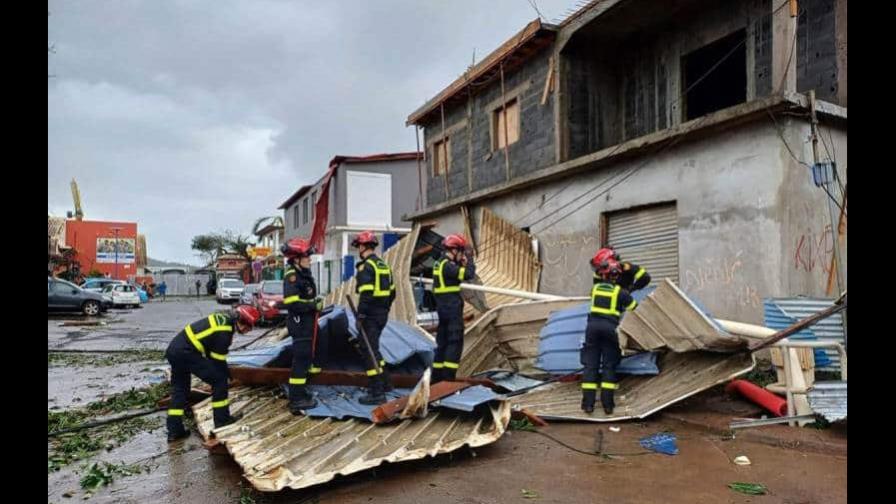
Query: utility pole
{"type": "Point", "coordinates": [116, 230]}
{"type": "Point", "coordinates": [829, 190]}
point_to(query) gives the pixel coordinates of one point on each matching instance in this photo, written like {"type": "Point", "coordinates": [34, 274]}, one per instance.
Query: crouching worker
{"type": "Point", "coordinates": [601, 353]}
{"type": "Point", "coordinates": [201, 349]}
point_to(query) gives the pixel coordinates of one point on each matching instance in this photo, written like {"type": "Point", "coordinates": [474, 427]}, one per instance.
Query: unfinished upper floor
{"type": "Point", "coordinates": [616, 72]}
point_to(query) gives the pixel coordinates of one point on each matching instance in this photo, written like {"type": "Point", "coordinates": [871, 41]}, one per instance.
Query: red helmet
{"type": "Point", "coordinates": [609, 270]}
{"type": "Point", "coordinates": [248, 314]}
{"type": "Point", "coordinates": [365, 238]}
{"type": "Point", "coordinates": [454, 241]}
{"type": "Point", "coordinates": [604, 254]}
{"type": "Point", "coordinates": [297, 247]}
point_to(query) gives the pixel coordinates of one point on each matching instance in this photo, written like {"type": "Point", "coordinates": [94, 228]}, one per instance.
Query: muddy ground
{"type": "Point", "coordinates": [796, 465]}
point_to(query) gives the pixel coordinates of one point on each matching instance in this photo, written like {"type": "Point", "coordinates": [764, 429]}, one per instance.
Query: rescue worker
{"type": "Point", "coordinates": [448, 272]}
{"type": "Point", "coordinates": [601, 353]}
{"type": "Point", "coordinates": [632, 276]}
{"type": "Point", "coordinates": [201, 349]}
{"type": "Point", "coordinates": [376, 292]}
{"type": "Point", "coordinates": [303, 304]}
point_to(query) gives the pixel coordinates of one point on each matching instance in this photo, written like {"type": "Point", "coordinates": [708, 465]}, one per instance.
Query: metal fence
{"type": "Point", "coordinates": [180, 285]}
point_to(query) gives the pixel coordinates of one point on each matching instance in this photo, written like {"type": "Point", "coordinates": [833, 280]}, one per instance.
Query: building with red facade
{"type": "Point", "coordinates": [109, 247]}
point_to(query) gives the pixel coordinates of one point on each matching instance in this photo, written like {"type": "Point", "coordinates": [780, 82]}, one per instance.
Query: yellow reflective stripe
{"type": "Point", "coordinates": [365, 288]}
{"type": "Point", "coordinates": [298, 381]}
{"type": "Point", "coordinates": [382, 362]}
{"type": "Point", "coordinates": [194, 340]}
{"type": "Point", "coordinates": [589, 386]}
{"type": "Point", "coordinates": [175, 412]}
{"type": "Point", "coordinates": [372, 372]}
{"type": "Point", "coordinates": [313, 369]}
{"type": "Point", "coordinates": [631, 305]}
{"type": "Point", "coordinates": [217, 356]}
{"type": "Point", "coordinates": [608, 386]}
{"type": "Point", "coordinates": [461, 272]}
{"type": "Point", "coordinates": [289, 271]}
{"type": "Point", "coordinates": [296, 299]}
{"type": "Point", "coordinates": [377, 289]}
{"type": "Point", "coordinates": [221, 403]}
{"type": "Point", "coordinates": [451, 365]}
{"type": "Point", "coordinates": [640, 273]}
{"type": "Point", "coordinates": [440, 287]}
{"type": "Point", "coordinates": [596, 292]}
{"type": "Point", "coordinates": [438, 365]}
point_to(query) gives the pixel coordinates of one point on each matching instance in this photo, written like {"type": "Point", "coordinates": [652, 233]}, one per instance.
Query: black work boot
{"type": "Point", "coordinates": [588, 397]}
{"type": "Point", "coordinates": [300, 400]}
{"type": "Point", "coordinates": [176, 429]}
{"type": "Point", "coordinates": [387, 381]}
{"type": "Point", "coordinates": [374, 395]}
{"type": "Point", "coordinates": [436, 376]}
{"type": "Point", "coordinates": [606, 399]}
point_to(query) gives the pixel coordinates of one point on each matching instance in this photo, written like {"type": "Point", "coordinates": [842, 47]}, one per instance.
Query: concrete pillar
{"type": "Point", "coordinates": [783, 50]}
{"type": "Point", "coordinates": [840, 16]}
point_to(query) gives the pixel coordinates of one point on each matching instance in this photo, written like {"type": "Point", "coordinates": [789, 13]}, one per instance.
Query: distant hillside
{"type": "Point", "coordinates": [156, 263]}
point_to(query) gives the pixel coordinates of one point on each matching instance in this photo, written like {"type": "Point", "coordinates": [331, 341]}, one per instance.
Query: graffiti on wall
{"type": "Point", "coordinates": [566, 263]}
{"type": "Point", "coordinates": [813, 251]}
{"type": "Point", "coordinates": [722, 277]}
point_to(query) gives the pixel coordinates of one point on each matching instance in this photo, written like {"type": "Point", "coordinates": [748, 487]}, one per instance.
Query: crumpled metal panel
{"type": "Point", "coordinates": [505, 259]}
{"type": "Point", "coordinates": [399, 259]}
{"type": "Point", "coordinates": [506, 337]}
{"type": "Point", "coordinates": [277, 450]}
{"type": "Point", "coordinates": [682, 375]}
{"type": "Point", "coordinates": [780, 313]}
{"type": "Point", "coordinates": [828, 399]}
{"type": "Point", "coordinates": [668, 319]}
{"type": "Point", "coordinates": [468, 398]}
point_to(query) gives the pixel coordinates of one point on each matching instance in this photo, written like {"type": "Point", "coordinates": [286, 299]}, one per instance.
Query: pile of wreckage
{"type": "Point", "coordinates": [520, 354]}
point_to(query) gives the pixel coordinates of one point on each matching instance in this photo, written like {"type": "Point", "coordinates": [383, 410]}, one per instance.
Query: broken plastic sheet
{"type": "Point", "coordinates": [403, 347]}
{"type": "Point", "coordinates": [468, 398]}
{"type": "Point", "coordinates": [342, 401]}
{"type": "Point", "coordinates": [561, 339]}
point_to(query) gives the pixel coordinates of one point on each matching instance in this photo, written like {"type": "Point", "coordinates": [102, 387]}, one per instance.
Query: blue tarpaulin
{"type": "Point", "coordinates": [561, 339]}
{"type": "Point", "coordinates": [664, 442]}
{"type": "Point", "coordinates": [403, 348]}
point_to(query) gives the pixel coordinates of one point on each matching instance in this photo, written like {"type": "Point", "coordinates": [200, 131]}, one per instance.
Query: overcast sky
{"type": "Point", "coordinates": [194, 116]}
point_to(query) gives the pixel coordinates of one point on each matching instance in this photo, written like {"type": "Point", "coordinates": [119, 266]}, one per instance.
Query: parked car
{"type": "Point", "coordinates": [269, 295]}
{"type": "Point", "coordinates": [229, 290]}
{"type": "Point", "coordinates": [98, 284]}
{"type": "Point", "coordinates": [66, 296]}
{"type": "Point", "coordinates": [248, 295]}
{"type": "Point", "coordinates": [122, 295]}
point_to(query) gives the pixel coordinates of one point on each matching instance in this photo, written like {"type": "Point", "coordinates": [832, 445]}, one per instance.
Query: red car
{"type": "Point", "coordinates": [268, 295]}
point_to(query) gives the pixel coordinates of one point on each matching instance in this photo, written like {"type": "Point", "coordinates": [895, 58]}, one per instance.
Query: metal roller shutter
{"type": "Point", "coordinates": [647, 237]}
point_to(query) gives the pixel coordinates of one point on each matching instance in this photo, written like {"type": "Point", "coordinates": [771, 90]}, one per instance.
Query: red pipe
{"type": "Point", "coordinates": [759, 395]}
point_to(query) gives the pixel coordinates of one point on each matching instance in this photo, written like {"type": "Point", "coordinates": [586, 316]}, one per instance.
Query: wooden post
{"type": "Point", "coordinates": [445, 151]}
{"type": "Point", "coordinates": [783, 50]}
{"type": "Point", "coordinates": [788, 383]}
{"type": "Point", "coordinates": [504, 113]}
{"type": "Point", "coordinates": [419, 170]}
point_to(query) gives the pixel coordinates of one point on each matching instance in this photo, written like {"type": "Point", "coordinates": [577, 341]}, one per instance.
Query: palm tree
{"type": "Point", "coordinates": [263, 222]}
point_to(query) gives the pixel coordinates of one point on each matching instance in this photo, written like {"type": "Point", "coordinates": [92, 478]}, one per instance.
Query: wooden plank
{"type": "Point", "coordinates": [548, 82]}
{"type": "Point", "coordinates": [388, 411]}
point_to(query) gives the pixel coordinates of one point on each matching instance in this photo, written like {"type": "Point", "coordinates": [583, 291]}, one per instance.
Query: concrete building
{"type": "Point", "coordinates": [357, 193]}
{"type": "Point", "coordinates": [677, 132]}
{"type": "Point", "coordinates": [107, 247]}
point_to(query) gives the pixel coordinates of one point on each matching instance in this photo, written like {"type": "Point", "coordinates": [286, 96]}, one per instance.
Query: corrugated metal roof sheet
{"type": "Point", "coordinates": [783, 312]}
{"type": "Point", "coordinates": [468, 398]}
{"type": "Point", "coordinates": [667, 318]}
{"type": "Point", "coordinates": [828, 399]}
{"type": "Point", "coordinates": [277, 450]}
{"type": "Point", "coordinates": [506, 260]}
{"type": "Point", "coordinates": [682, 375]}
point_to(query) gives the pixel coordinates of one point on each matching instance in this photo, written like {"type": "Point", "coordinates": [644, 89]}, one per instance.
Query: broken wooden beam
{"type": "Point", "coordinates": [528, 415]}
{"type": "Point", "coordinates": [275, 376]}
{"type": "Point", "coordinates": [388, 411]}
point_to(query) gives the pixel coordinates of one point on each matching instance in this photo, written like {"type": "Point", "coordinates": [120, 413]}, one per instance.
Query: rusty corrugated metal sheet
{"type": "Point", "coordinates": [668, 319]}
{"type": "Point", "coordinates": [681, 375]}
{"type": "Point", "coordinates": [506, 259]}
{"type": "Point", "coordinates": [277, 450]}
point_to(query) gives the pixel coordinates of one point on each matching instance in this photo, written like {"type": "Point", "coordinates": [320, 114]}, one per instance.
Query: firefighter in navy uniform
{"type": "Point", "coordinates": [201, 349]}
{"type": "Point", "coordinates": [448, 272]}
{"type": "Point", "coordinates": [601, 353]}
{"type": "Point", "coordinates": [303, 304]}
{"type": "Point", "coordinates": [376, 292]}
{"type": "Point", "coordinates": [631, 277]}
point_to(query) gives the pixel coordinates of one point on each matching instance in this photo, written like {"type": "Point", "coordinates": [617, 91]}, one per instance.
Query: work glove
{"type": "Point", "coordinates": [319, 303]}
